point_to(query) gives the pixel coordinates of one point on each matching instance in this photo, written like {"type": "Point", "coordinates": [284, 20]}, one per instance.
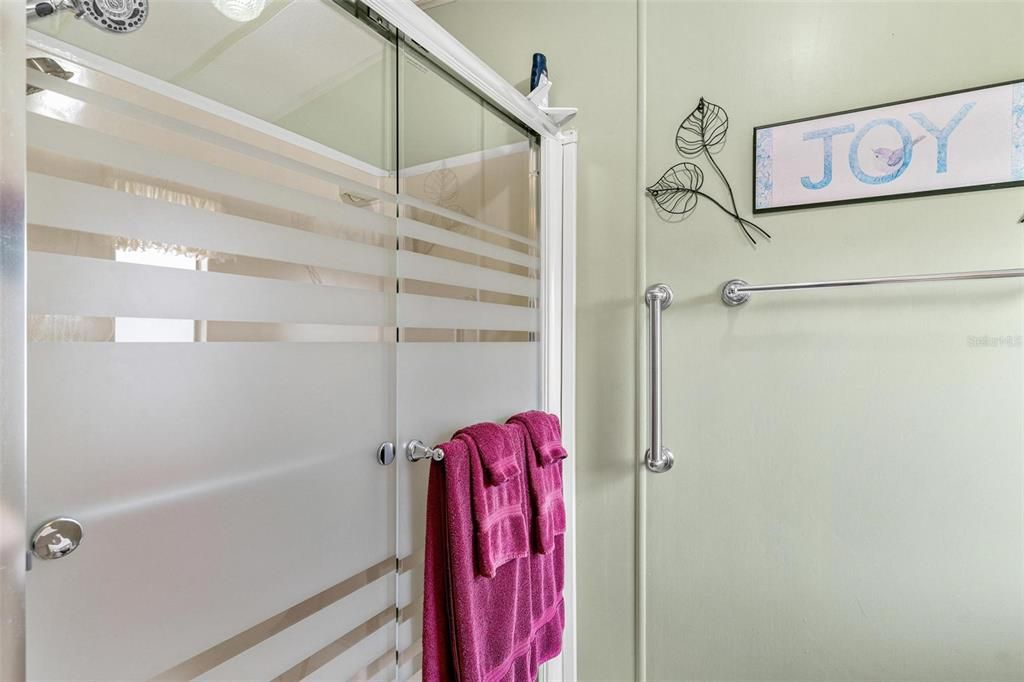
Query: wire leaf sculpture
{"type": "Point", "coordinates": [703, 130]}
{"type": "Point", "coordinates": [676, 191]}
{"type": "Point", "coordinates": [702, 133]}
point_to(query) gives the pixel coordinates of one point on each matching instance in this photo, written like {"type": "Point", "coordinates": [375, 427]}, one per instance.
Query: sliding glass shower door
{"type": "Point", "coordinates": [469, 289]}
{"type": "Point", "coordinates": [263, 257]}
{"type": "Point", "coordinates": [846, 498]}
{"type": "Point", "coordinates": [212, 353]}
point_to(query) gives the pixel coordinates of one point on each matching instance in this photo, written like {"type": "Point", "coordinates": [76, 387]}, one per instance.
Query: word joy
{"type": "Point", "coordinates": [889, 163]}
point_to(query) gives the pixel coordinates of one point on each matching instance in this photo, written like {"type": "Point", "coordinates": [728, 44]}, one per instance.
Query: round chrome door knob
{"type": "Point", "coordinates": [386, 453]}
{"type": "Point", "coordinates": [56, 538]}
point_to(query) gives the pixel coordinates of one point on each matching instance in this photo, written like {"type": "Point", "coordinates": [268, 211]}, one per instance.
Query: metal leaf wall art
{"type": "Point", "coordinates": [702, 133]}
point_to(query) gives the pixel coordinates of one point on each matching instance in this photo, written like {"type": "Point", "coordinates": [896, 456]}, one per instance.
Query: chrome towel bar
{"type": "Point", "coordinates": [737, 292]}
{"type": "Point", "coordinates": [658, 297]}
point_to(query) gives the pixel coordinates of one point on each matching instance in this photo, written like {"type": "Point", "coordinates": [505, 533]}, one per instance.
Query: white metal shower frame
{"type": "Point", "coordinates": [558, 244]}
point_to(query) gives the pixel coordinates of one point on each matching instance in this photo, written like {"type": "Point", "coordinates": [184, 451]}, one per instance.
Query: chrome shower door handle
{"type": "Point", "coordinates": [658, 297]}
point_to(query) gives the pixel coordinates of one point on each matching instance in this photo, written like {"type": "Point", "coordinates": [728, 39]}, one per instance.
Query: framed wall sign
{"type": "Point", "coordinates": [955, 142]}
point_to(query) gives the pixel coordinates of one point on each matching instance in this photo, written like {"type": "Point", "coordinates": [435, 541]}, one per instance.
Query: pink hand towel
{"type": "Point", "coordinates": [478, 629]}
{"type": "Point", "coordinates": [500, 512]}
{"type": "Point", "coordinates": [499, 451]}
{"type": "Point", "coordinates": [499, 498]}
{"type": "Point", "coordinates": [544, 481]}
{"type": "Point", "coordinates": [546, 434]}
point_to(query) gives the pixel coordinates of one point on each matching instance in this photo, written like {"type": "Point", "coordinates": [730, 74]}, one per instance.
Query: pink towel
{"type": "Point", "coordinates": [544, 482]}
{"type": "Point", "coordinates": [478, 629]}
{"type": "Point", "coordinates": [499, 451]}
{"type": "Point", "coordinates": [545, 432]}
{"type": "Point", "coordinates": [500, 511]}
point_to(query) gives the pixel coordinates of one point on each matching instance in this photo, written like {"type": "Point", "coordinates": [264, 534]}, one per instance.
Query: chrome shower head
{"type": "Point", "coordinates": [116, 16]}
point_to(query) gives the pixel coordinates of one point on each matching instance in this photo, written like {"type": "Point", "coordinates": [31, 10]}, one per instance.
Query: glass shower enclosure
{"type": "Point", "coordinates": [262, 257]}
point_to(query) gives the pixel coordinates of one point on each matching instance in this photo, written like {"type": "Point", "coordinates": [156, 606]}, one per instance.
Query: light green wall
{"type": "Point", "coordinates": [846, 502]}
{"type": "Point", "coordinates": [591, 51]}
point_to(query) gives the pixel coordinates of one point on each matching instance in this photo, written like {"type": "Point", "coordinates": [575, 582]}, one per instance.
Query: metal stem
{"type": "Point", "coordinates": [34, 10]}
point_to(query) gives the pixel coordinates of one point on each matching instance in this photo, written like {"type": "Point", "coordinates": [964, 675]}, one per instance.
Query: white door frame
{"type": "Point", "coordinates": [558, 329]}
{"type": "Point", "coordinates": [13, 533]}
{"type": "Point", "coordinates": [558, 239]}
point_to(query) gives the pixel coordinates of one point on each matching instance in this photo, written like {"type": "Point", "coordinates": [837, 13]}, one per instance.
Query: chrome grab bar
{"type": "Point", "coordinates": [737, 292]}
{"type": "Point", "coordinates": [658, 297]}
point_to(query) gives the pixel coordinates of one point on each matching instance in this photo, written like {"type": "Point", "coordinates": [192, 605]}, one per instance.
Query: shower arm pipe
{"type": "Point", "coordinates": [658, 458]}
{"type": "Point", "coordinates": [44, 8]}
{"type": "Point", "coordinates": [736, 292]}
{"type": "Point", "coordinates": [35, 10]}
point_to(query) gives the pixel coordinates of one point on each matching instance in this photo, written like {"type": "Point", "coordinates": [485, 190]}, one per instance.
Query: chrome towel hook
{"type": "Point", "coordinates": [415, 451]}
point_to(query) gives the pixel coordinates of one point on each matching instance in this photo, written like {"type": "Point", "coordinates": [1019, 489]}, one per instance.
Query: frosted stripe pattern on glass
{"type": "Point", "coordinates": [298, 631]}
{"type": "Point", "coordinates": [91, 146]}
{"type": "Point", "coordinates": [432, 269]}
{"type": "Point", "coordinates": [456, 216]}
{"type": "Point", "coordinates": [91, 286]}
{"type": "Point", "coordinates": [408, 227]}
{"type": "Point", "coordinates": [120, 106]}
{"type": "Point", "coordinates": [446, 313]}
{"type": "Point", "coordinates": [118, 214]}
